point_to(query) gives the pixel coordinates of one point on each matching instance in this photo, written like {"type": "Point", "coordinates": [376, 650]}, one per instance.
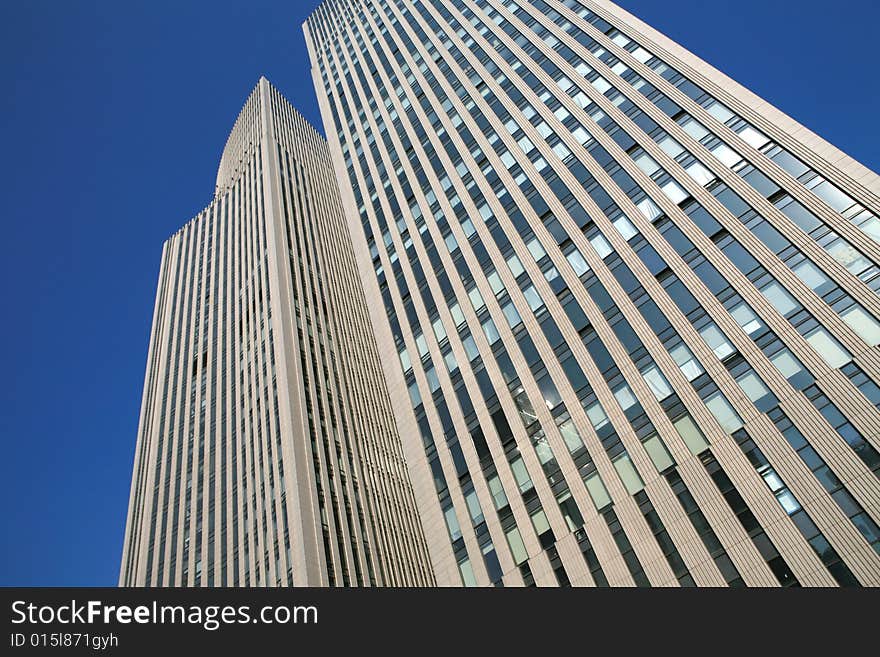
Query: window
{"type": "Point", "coordinates": [467, 573]}
{"type": "Point", "coordinates": [716, 341]}
{"type": "Point", "coordinates": [498, 496]}
{"type": "Point", "coordinates": [433, 381]}
{"type": "Point", "coordinates": [414, 395]}
{"type": "Point", "coordinates": [521, 474]}
{"type": "Point", "coordinates": [596, 415]}
{"type": "Point", "coordinates": [533, 298]}
{"type": "Point", "coordinates": [404, 359]}
{"type": "Point", "coordinates": [624, 227]}
{"type": "Point", "coordinates": [476, 299]}
{"type": "Point", "coordinates": [452, 524]}
{"type": "Point", "coordinates": [597, 491]}
{"type": "Point", "coordinates": [517, 547]}
{"type": "Point", "coordinates": [511, 315]}
{"type": "Point", "coordinates": [571, 436]}
{"type": "Point", "coordinates": [723, 412]}
{"type": "Point", "coordinates": [786, 363]}
{"type": "Point", "coordinates": [625, 397]}
{"type": "Point", "coordinates": [657, 383]}
{"type": "Point", "coordinates": [827, 347]}
{"type": "Point", "coordinates": [491, 331]}
{"type": "Point", "coordinates": [603, 248]}
{"type": "Point", "coordinates": [780, 298]}
{"type": "Point", "coordinates": [746, 318]}
{"type": "Point", "coordinates": [810, 275]}
{"type": "Point", "coordinates": [628, 474]}
{"type": "Point", "coordinates": [752, 386]}
{"type": "Point", "coordinates": [473, 505]}
{"type": "Point", "coordinates": [577, 262]}
{"type": "Point", "coordinates": [658, 453]}
{"type": "Point", "coordinates": [439, 331]}
{"type": "Point", "coordinates": [457, 315]}
{"type": "Point", "coordinates": [691, 434]}
{"type": "Point", "coordinates": [862, 323]}
{"type": "Point", "coordinates": [535, 248]}
{"type": "Point", "coordinates": [686, 362]}
{"type": "Point", "coordinates": [540, 522]}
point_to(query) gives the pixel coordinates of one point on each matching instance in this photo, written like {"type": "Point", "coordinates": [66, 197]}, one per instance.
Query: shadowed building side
{"type": "Point", "coordinates": [267, 453]}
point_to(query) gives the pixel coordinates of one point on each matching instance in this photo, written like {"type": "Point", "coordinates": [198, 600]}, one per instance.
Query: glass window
{"type": "Point", "coordinates": [533, 298]}
{"type": "Point", "coordinates": [511, 315]}
{"type": "Point", "coordinates": [723, 412]}
{"type": "Point", "coordinates": [452, 523]}
{"type": "Point", "coordinates": [810, 274]}
{"type": "Point", "coordinates": [540, 522]}
{"type": "Point", "coordinates": [451, 363]}
{"type": "Point", "coordinates": [467, 573]}
{"type": "Point", "coordinates": [827, 347]}
{"type": "Point", "coordinates": [521, 474]}
{"type": "Point", "coordinates": [439, 331]}
{"type": "Point", "coordinates": [596, 415]}
{"type": "Point", "coordinates": [571, 436]}
{"type": "Point", "coordinates": [597, 491]}
{"type": "Point", "coordinates": [517, 547]}
{"type": "Point", "coordinates": [752, 386]}
{"type": "Point", "coordinates": [515, 265]}
{"type": "Point", "coordinates": [603, 248]}
{"type": "Point", "coordinates": [577, 262]}
{"type": "Point", "coordinates": [473, 505]}
{"type": "Point", "coordinates": [780, 298]}
{"type": "Point", "coordinates": [457, 315]}
{"type": "Point", "coordinates": [686, 362]}
{"type": "Point", "coordinates": [535, 248]}
{"type": "Point", "coordinates": [491, 331]}
{"type": "Point", "coordinates": [470, 347]}
{"type": "Point", "coordinates": [404, 359]}
{"type": "Point", "coordinates": [657, 383]}
{"type": "Point", "coordinates": [847, 255]}
{"type": "Point", "coordinates": [624, 227]}
{"type": "Point", "coordinates": [701, 175]}
{"type": "Point", "coordinates": [862, 323]}
{"type": "Point", "coordinates": [727, 155]}
{"type": "Point", "coordinates": [746, 318]}
{"type": "Point", "coordinates": [691, 434]}
{"type": "Point", "coordinates": [753, 137]}
{"type": "Point", "coordinates": [716, 341]}
{"type": "Point", "coordinates": [498, 496]}
{"type": "Point", "coordinates": [625, 396]}
{"type": "Point", "coordinates": [422, 345]}
{"type": "Point", "coordinates": [658, 453]}
{"type": "Point", "coordinates": [674, 191]}
{"type": "Point", "coordinates": [549, 391]}
{"type": "Point", "coordinates": [414, 394]}
{"type": "Point", "coordinates": [476, 299]}
{"type": "Point", "coordinates": [628, 474]}
{"type": "Point", "coordinates": [786, 363]}
{"type": "Point", "coordinates": [649, 209]}
{"type": "Point", "coordinates": [495, 282]}
{"type": "Point", "coordinates": [433, 381]}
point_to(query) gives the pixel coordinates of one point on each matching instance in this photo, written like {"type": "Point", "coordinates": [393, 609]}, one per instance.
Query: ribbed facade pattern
{"type": "Point", "coordinates": [630, 309]}
{"type": "Point", "coordinates": [267, 452]}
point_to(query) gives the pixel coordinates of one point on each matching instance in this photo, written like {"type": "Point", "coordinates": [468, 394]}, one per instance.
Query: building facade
{"type": "Point", "coordinates": [627, 309]}
{"type": "Point", "coordinates": [267, 451]}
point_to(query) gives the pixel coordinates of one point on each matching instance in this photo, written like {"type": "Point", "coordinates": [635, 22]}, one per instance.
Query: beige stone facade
{"type": "Point", "coordinates": [627, 310]}
{"type": "Point", "coordinates": [267, 452]}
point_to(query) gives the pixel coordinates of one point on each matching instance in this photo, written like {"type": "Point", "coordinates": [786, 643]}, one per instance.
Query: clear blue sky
{"type": "Point", "coordinates": [114, 115]}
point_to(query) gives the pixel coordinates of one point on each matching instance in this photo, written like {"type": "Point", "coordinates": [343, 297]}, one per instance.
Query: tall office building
{"type": "Point", "coordinates": [267, 451]}
{"type": "Point", "coordinates": [630, 309]}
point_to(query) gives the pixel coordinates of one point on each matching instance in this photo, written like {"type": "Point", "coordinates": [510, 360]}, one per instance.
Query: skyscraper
{"type": "Point", "coordinates": [628, 308]}
{"type": "Point", "coordinates": [267, 451]}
